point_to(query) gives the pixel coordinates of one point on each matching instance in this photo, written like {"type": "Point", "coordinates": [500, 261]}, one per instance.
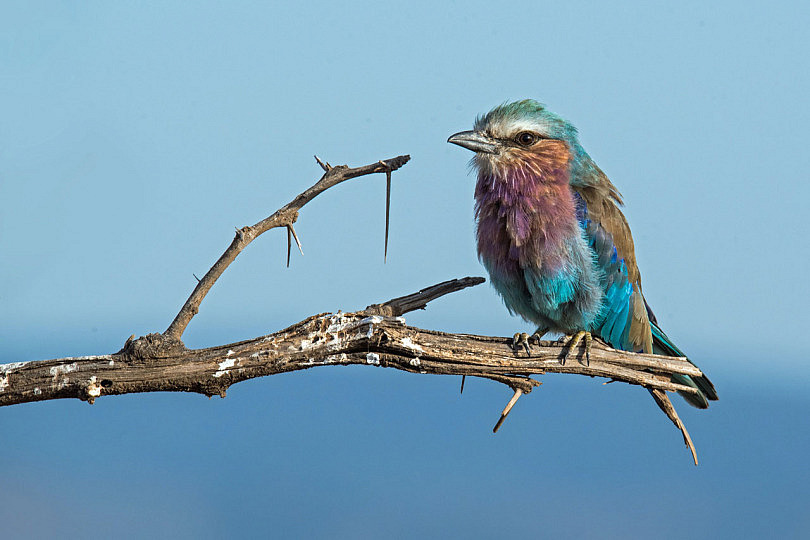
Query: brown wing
{"type": "Point", "coordinates": [603, 201]}
{"type": "Point", "coordinates": [607, 222]}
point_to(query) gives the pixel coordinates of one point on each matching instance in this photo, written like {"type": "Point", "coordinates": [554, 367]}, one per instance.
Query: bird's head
{"type": "Point", "coordinates": [518, 133]}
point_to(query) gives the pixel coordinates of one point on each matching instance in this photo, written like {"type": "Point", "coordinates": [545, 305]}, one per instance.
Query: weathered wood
{"type": "Point", "coordinates": [154, 363]}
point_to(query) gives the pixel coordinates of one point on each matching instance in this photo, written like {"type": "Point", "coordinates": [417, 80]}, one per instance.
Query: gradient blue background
{"type": "Point", "coordinates": [133, 138]}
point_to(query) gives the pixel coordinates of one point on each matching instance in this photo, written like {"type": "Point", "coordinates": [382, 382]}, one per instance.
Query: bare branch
{"type": "Point", "coordinates": [376, 336]}
{"type": "Point", "coordinates": [154, 363]}
{"type": "Point", "coordinates": [283, 217]}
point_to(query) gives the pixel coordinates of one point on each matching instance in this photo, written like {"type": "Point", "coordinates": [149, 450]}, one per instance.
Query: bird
{"type": "Point", "coordinates": [551, 234]}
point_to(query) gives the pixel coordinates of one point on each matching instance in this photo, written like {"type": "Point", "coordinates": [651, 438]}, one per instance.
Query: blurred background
{"type": "Point", "coordinates": [135, 137]}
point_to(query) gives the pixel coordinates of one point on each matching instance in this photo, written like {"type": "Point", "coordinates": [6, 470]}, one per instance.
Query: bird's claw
{"type": "Point", "coordinates": [521, 338]}
{"type": "Point", "coordinates": [572, 344]}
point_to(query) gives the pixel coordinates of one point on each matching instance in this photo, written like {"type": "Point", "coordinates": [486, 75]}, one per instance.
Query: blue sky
{"type": "Point", "coordinates": [133, 138]}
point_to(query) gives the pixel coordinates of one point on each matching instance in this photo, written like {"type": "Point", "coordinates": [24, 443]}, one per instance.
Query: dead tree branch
{"type": "Point", "coordinates": [149, 364]}
{"type": "Point", "coordinates": [376, 336]}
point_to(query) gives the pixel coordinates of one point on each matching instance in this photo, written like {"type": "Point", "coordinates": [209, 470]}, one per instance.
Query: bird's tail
{"type": "Point", "coordinates": [705, 389]}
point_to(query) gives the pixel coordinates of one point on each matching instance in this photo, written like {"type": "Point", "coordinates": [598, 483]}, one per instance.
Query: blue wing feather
{"type": "Point", "coordinates": [618, 310]}
{"type": "Point", "coordinates": [627, 322]}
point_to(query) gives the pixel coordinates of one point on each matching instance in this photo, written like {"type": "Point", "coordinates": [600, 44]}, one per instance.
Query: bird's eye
{"type": "Point", "coordinates": [526, 138]}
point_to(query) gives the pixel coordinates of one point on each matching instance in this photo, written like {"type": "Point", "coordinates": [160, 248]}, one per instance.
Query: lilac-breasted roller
{"type": "Point", "coordinates": [554, 240]}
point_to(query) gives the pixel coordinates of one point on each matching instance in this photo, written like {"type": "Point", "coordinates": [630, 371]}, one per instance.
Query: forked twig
{"type": "Point", "coordinates": [324, 166]}
{"type": "Point", "coordinates": [283, 217]}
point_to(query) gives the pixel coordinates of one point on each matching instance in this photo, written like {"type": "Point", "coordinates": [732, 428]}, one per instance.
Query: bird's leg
{"type": "Point", "coordinates": [524, 339]}
{"type": "Point", "coordinates": [539, 333]}
{"type": "Point", "coordinates": [574, 341]}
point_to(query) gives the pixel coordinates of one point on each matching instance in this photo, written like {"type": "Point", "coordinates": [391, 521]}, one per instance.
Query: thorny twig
{"type": "Point", "coordinates": [376, 335]}
{"type": "Point", "coordinates": [283, 217]}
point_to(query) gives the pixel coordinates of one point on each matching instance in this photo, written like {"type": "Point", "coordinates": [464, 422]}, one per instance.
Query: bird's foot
{"type": "Point", "coordinates": [582, 336]}
{"type": "Point", "coordinates": [525, 340]}
{"type": "Point", "coordinates": [521, 339]}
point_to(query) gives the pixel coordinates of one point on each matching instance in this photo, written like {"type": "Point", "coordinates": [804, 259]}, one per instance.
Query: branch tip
{"type": "Point", "coordinates": [508, 409]}
{"type": "Point", "coordinates": [324, 166]}
{"type": "Point", "coordinates": [662, 400]}
{"type": "Point", "coordinates": [397, 162]}
{"type": "Point", "coordinates": [419, 300]}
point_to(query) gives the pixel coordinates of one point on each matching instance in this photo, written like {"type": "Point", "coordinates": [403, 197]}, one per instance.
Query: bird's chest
{"type": "Point", "coordinates": [530, 230]}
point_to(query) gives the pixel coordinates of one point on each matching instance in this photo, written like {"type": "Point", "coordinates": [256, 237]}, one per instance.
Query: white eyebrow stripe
{"type": "Point", "coordinates": [509, 127]}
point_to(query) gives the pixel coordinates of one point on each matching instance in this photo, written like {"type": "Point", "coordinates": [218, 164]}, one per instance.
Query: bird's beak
{"type": "Point", "coordinates": [475, 141]}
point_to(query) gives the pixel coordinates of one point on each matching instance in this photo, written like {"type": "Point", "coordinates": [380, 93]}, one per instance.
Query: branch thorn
{"type": "Point", "coordinates": [289, 246]}
{"type": "Point", "coordinates": [291, 229]}
{"type": "Point", "coordinates": [387, 205]}
{"type": "Point", "coordinates": [507, 409]}
{"type": "Point", "coordinates": [663, 402]}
